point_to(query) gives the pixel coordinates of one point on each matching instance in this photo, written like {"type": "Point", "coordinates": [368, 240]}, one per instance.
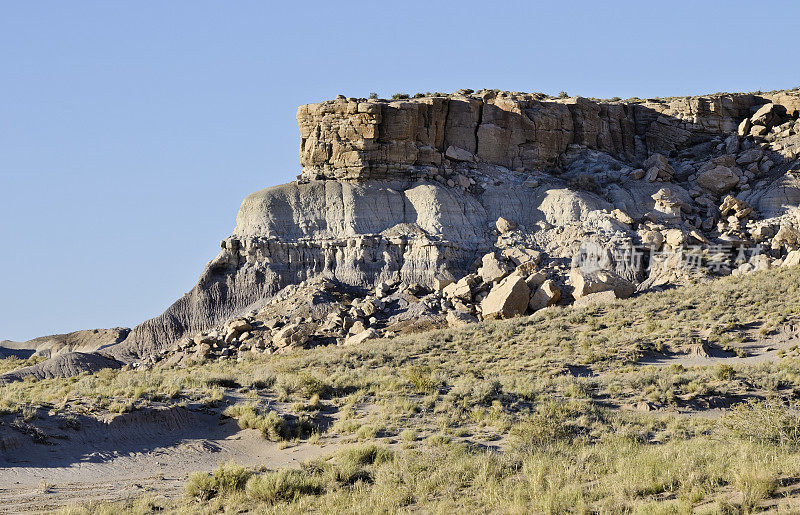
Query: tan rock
{"type": "Point", "coordinates": [545, 295]}
{"type": "Point", "coordinates": [792, 258]}
{"type": "Point", "coordinates": [736, 207]}
{"type": "Point", "coordinates": [509, 298]}
{"type": "Point", "coordinates": [505, 225]}
{"type": "Point", "coordinates": [535, 280]}
{"type": "Point", "coordinates": [521, 255]}
{"type": "Point", "coordinates": [492, 269]}
{"type": "Point", "coordinates": [367, 334]}
{"type": "Point", "coordinates": [675, 238]}
{"type": "Point", "coordinates": [602, 297]}
{"type": "Point", "coordinates": [290, 335]}
{"type": "Point", "coordinates": [652, 239]}
{"type": "Point", "coordinates": [460, 319]}
{"type": "Point", "coordinates": [622, 216]}
{"type": "Point", "coordinates": [585, 283]}
{"type": "Point", "coordinates": [718, 180]}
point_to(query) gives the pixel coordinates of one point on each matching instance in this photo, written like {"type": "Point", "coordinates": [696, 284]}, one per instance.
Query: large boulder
{"type": "Point", "coordinates": [768, 115]}
{"type": "Point", "coordinates": [545, 295]}
{"type": "Point", "coordinates": [585, 283]}
{"type": "Point", "coordinates": [492, 269]}
{"type": "Point", "coordinates": [601, 297]}
{"type": "Point", "coordinates": [718, 180]}
{"type": "Point", "coordinates": [291, 335]}
{"type": "Point", "coordinates": [509, 298]}
{"type": "Point", "coordinates": [367, 334]}
{"type": "Point", "coordinates": [460, 319]}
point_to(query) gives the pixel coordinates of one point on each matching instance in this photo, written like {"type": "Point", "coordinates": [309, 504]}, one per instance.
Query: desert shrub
{"type": "Point", "coordinates": [399, 96]}
{"type": "Point", "coordinates": [552, 422]}
{"type": "Point", "coordinates": [282, 486]}
{"type": "Point", "coordinates": [227, 479]}
{"type": "Point", "coordinates": [563, 94]}
{"type": "Point", "coordinates": [421, 379]}
{"type": "Point", "coordinates": [370, 454]}
{"type": "Point", "coordinates": [756, 483]}
{"type": "Point", "coordinates": [767, 422]}
{"type": "Point", "coordinates": [373, 95]}
{"type": "Point", "coordinates": [222, 381]}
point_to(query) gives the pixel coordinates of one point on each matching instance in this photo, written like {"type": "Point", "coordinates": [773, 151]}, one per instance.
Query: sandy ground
{"type": "Point", "coordinates": [143, 452]}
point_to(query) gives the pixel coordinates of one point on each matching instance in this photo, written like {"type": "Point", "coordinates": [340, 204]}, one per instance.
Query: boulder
{"type": "Point", "coordinates": [509, 298]}
{"type": "Point", "coordinates": [652, 239]}
{"type": "Point", "coordinates": [602, 297]}
{"type": "Point", "coordinates": [492, 269]}
{"type": "Point", "coordinates": [505, 225]}
{"type": "Point", "coordinates": [750, 156]}
{"type": "Point", "coordinates": [792, 258]}
{"type": "Point", "coordinates": [622, 216]}
{"type": "Point", "coordinates": [535, 280]}
{"type": "Point", "coordinates": [736, 207]}
{"type": "Point", "coordinates": [718, 180]}
{"type": "Point", "coordinates": [367, 334]}
{"type": "Point", "coordinates": [521, 255]}
{"type": "Point", "coordinates": [461, 289]}
{"type": "Point", "coordinates": [768, 115]}
{"type": "Point", "coordinates": [239, 326]}
{"type": "Point", "coordinates": [787, 235]}
{"type": "Point", "coordinates": [460, 318]}
{"type": "Point", "coordinates": [668, 203]}
{"type": "Point", "coordinates": [585, 283]}
{"type": "Point", "coordinates": [545, 295]}
{"type": "Point", "coordinates": [658, 167]}
{"type": "Point", "coordinates": [290, 335]}
{"type": "Point", "coordinates": [744, 128]}
{"type": "Point", "coordinates": [675, 238]}
{"type": "Point", "coordinates": [458, 154]}
{"type": "Point", "coordinates": [762, 232]}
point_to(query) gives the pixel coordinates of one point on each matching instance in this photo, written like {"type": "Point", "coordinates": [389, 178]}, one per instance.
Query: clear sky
{"type": "Point", "coordinates": [131, 131]}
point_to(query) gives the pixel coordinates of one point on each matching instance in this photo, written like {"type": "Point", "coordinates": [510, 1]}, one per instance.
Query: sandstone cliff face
{"type": "Point", "coordinates": [411, 192]}
{"type": "Point", "coordinates": [351, 139]}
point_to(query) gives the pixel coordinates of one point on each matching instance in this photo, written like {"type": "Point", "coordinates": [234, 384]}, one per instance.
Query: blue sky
{"type": "Point", "coordinates": [131, 131]}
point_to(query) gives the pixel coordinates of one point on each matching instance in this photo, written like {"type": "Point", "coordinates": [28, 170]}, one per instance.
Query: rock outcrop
{"type": "Point", "coordinates": [446, 209]}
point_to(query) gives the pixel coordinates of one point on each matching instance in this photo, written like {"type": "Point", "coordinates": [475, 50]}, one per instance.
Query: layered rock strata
{"type": "Point", "coordinates": [417, 192]}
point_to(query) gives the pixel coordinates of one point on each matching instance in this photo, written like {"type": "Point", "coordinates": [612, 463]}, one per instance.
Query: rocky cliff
{"type": "Point", "coordinates": [489, 191]}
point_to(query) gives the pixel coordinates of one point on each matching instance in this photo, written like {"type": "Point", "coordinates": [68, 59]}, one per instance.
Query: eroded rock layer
{"type": "Point", "coordinates": [450, 209]}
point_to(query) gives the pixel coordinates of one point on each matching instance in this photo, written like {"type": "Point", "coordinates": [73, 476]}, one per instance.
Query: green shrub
{"type": "Point", "coordinates": [229, 478]}
{"type": "Point", "coordinates": [767, 422]}
{"type": "Point", "coordinates": [282, 486]}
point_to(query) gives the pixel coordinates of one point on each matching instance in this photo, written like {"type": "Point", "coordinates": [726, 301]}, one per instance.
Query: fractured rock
{"type": "Point", "coordinates": [509, 298]}
{"type": "Point", "coordinates": [492, 269]}
{"type": "Point", "coordinates": [460, 318]}
{"type": "Point", "coordinates": [505, 225]}
{"type": "Point", "coordinates": [585, 283]}
{"type": "Point", "coordinates": [545, 295]}
{"type": "Point", "coordinates": [718, 180]}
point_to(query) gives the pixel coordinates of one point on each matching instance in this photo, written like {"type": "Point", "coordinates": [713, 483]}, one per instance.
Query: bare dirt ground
{"type": "Point", "coordinates": [151, 452]}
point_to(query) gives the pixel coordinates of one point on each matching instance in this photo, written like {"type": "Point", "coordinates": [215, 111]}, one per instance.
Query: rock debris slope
{"type": "Point", "coordinates": [448, 209]}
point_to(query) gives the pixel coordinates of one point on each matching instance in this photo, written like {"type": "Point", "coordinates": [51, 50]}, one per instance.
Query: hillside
{"type": "Point", "coordinates": [479, 301]}
{"type": "Point", "coordinates": [618, 407]}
